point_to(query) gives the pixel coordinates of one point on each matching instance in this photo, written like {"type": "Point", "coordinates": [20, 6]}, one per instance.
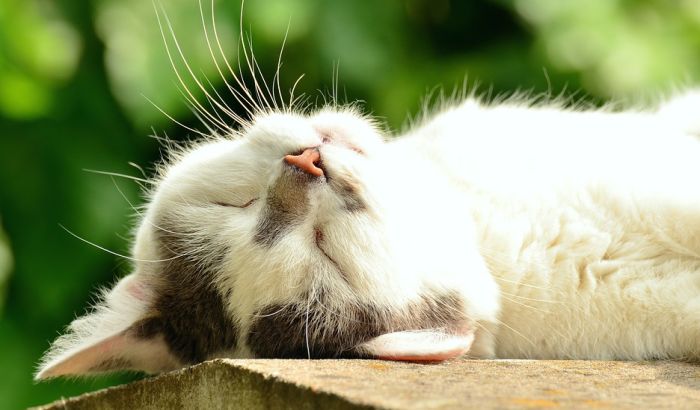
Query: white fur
{"type": "Point", "coordinates": [570, 234]}
{"type": "Point", "coordinates": [589, 221]}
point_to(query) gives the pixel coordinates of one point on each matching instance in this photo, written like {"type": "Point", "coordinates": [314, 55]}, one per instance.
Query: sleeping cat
{"type": "Point", "coordinates": [489, 231]}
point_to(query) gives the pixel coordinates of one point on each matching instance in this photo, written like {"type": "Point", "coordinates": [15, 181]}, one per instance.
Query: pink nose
{"type": "Point", "coordinates": [307, 161]}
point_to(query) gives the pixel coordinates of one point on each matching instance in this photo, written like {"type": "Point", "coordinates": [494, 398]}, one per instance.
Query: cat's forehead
{"type": "Point", "coordinates": [276, 128]}
{"type": "Point", "coordinates": [281, 121]}
{"type": "Point", "coordinates": [269, 137]}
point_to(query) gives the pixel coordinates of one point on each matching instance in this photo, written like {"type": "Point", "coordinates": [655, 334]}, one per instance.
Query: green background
{"type": "Point", "coordinates": [76, 77]}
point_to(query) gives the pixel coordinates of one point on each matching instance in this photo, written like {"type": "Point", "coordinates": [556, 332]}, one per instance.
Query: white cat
{"type": "Point", "coordinates": [493, 231]}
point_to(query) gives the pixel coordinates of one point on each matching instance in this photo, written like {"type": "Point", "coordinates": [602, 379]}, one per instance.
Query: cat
{"type": "Point", "coordinates": [488, 230]}
{"type": "Point", "coordinates": [491, 231]}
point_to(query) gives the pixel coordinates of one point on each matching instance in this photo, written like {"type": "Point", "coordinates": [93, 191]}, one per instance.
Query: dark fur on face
{"type": "Point", "coordinates": [349, 192]}
{"type": "Point", "coordinates": [188, 310]}
{"type": "Point", "coordinates": [302, 329]}
{"type": "Point", "coordinates": [286, 204]}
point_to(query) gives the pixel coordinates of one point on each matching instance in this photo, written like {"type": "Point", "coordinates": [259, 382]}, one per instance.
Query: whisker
{"type": "Point", "coordinates": [276, 78]}
{"type": "Point", "coordinates": [167, 143]}
{"type": "Point", "coordinates": [270, 314]}
{"type": "Point", "coordinates": [194, 77]}
{"type": "Point", "coordinates": [520, 283]}
{"type": "Point", "coordinates": [233, 115]}
{"type": "Point", "coordinates": [536, 309]}
{"type": "Point", "coordinates": [116, 174]}
{"type": "Point", "coordinates": [293, 100]}
{"type": "Point", "coordinates": [256, 85]}
{"type": "Point", "coordinates": [116, 253]}
{"type": "Point", "coordinates": [262, 76]}
{"type": "Point", "coordinates": [259, 106]}
{"type": "Point", "coordinates": [334, 84]}
{"type": "Point", "coordinates": [212, 129]}
{"type": "Point", "coordinates": [306, 324]}
{"type": "Point", "coordinates": [124, 238]}
{"type": "Point", "coordinates": [215, 111]}
{"type": "Point", "coordinates": [323, 96]}
{"type": "Point", "coordinates": [306, 103]}
{"type": "Point", "coordinates": [495, 257]}
{"type": "Point", "coordinates": [193, 99]}
{"type": "Point", "coordinates": [173, 119]}
{"type": "Point", "coordinates": [484, 328]}
{"type": "Point", "coordinates": [240, 98]}
{"type": "Point", "coordinates": [531, 299]}
{"type": "Point", "coordinates": [516, 332]}
{"type": "Point", "coordinates": [251, 105]}
{"type": "Point", "coordinates": [260, 95]}
{"type": "Point", "coordinates": [138, 167]}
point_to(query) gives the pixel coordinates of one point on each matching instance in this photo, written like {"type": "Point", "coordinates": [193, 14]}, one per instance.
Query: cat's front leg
{"type": "Point", "coordinates": [484, 346]}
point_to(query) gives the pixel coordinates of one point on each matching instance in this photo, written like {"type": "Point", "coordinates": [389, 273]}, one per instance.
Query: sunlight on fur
{"type": "Point", "coordinates": [519, 227]}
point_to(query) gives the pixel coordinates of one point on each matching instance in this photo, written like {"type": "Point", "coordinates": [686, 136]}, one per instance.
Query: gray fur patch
{"type": "Point", "coordinates": [188, 310]}
{"type": "Point", "coordinates": [349, 192]}
{"type": "Point", "coordinates": [281, 330]}
{"type": "Point", "coordinates": [286, 205]}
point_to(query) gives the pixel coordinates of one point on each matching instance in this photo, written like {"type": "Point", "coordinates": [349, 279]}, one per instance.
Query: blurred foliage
{"type": "Point", "coordinates": [38, 51]}
{"type": "Point", "coordinates": [5, 266]}
{"type": "Point", "coordinates": [76, 78]}
{"type": "Point", "coordinates": [618, 47]}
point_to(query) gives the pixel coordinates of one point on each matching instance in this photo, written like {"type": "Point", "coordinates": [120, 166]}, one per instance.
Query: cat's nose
{"type": "Point", "coordinates": [308, 161]}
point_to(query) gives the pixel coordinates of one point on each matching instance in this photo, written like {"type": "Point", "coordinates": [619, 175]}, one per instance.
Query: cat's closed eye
{"type": "Point", "coordinates": [231, 205]}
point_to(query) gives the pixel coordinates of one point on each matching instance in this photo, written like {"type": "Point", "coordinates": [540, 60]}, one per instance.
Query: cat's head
{"type": "Point", "coordinates": [304, 236]}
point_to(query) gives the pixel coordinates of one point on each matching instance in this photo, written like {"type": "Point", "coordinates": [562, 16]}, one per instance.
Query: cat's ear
{"type": "Point", "coordinates": [418, 346]}
{"type": "Point", "coordinates": [125, 350]}
{"type": "Point", "coordinates": [120, 334]}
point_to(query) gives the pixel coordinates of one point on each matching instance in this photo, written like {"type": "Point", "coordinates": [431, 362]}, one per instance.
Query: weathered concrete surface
{"type": "Point", "coordinates": [353, 384]}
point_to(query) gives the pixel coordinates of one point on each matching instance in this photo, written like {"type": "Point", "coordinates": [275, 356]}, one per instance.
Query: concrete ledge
{"type": "Point", "coordinates": [356, 384]}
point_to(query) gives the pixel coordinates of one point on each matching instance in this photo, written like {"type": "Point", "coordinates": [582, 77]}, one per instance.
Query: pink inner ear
{"type": "Point", "coordinates": [121, 351]}
{"type": "Point", "coordinates": [418, 346]}
{"type": "Point", "coordinates": [80, 362]}
{"type": "Point", "coordinates": [137, 289]}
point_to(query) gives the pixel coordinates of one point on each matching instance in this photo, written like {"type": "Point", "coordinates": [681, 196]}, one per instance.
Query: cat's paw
{"type": "Point", "coordinates": [418, 346]}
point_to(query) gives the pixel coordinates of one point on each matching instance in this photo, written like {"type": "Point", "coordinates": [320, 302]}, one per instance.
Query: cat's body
{"type": "Point", "coordinates": [495, 231]}
{"type": "Point", "coordinates": [586, 215]}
